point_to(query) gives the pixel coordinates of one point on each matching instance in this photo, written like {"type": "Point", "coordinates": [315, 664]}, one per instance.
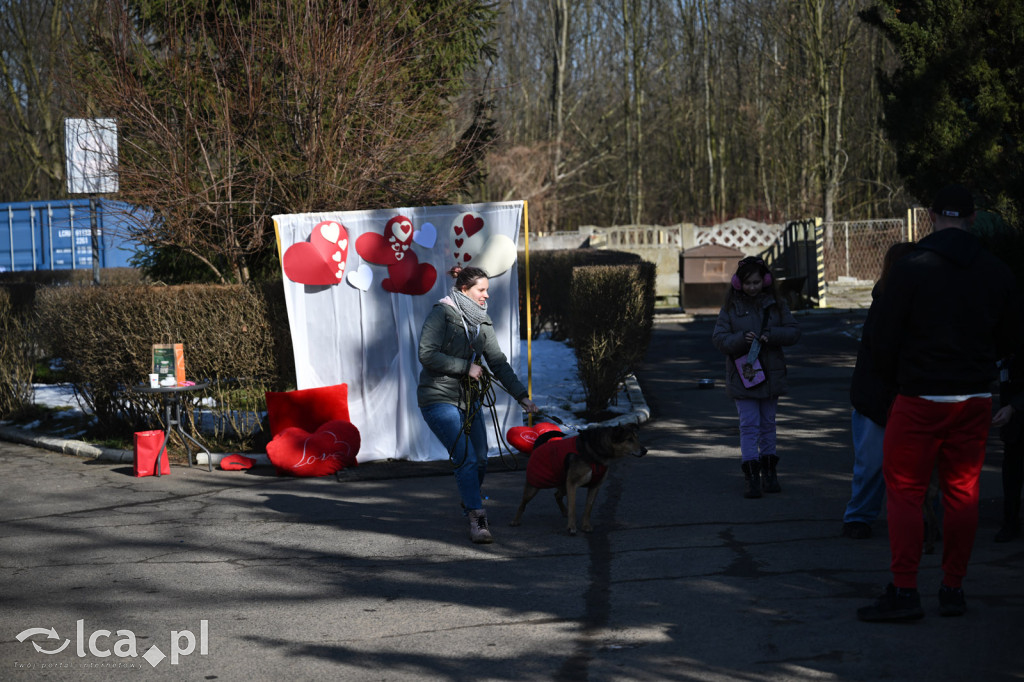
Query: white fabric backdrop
{"type": "Point", "coordinates": [369, 339]}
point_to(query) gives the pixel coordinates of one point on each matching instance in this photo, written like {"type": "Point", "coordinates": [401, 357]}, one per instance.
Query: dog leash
{"type": "Point", "coordinates": [479, 393]}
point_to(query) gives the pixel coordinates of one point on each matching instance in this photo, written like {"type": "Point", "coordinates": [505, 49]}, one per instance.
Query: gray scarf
{"type": "Point", "coordinates": [472, 312]}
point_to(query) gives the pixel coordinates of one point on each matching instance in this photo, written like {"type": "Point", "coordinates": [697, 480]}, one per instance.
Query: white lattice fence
{"type": "Point", "coordinates": [744, 235]}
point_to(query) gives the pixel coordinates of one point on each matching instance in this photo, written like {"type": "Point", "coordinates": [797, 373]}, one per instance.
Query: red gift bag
{"type": "Point", "coordinates": [147, 447]}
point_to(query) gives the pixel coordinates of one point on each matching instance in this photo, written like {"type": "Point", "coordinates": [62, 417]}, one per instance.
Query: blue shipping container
{"type": "Point", "coordinates": [57, 235]}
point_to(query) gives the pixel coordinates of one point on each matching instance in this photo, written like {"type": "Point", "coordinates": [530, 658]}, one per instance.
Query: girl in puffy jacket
{"type": "Point", "coordinates": [755, 318]}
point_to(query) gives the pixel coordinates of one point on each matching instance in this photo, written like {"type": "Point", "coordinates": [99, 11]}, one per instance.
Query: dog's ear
{"type": "Point", "coordinates": [625, 431]}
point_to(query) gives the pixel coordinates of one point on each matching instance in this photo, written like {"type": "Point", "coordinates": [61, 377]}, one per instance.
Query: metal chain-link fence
{"type": "Point", "coordinates": [854, 250]}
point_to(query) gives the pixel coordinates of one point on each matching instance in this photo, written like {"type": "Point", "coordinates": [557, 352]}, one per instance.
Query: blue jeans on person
{"type": "Point", "coordinates": [757, 427]}
{"type": "Point", "coordinates": [868, 487]}
{"type": "Point", "coordinates": [468, 455]}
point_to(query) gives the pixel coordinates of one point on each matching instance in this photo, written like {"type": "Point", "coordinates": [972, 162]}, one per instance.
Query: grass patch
{"type": "Point", "coordinates": [44, 373]}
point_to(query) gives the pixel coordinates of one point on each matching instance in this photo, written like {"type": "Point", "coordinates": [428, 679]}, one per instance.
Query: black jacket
{"type": "Point", "coordinates": [1011, 390]}
{"type": "Point", "coordinates": [949, 312]}
{"type": "Point", "coordinates": [869, 394]}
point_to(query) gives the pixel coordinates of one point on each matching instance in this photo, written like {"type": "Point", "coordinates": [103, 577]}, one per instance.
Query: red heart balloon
{"type": "Point", "coordinates": [374, 248]}
{"type": "Point", "coordinates": [331, 239]}
{"type": "Point", "coordinates": [304, 264]}
{"type": "Point", "coordinates": [387, 248]}
{"type": "Point", "coordinates": [472, 225]}
{"type": "Point", "coordinates": [409, 276]}
{"type": "Point", "coordinates": [331, 448]}
{"type": "Point", "coordinates": [321, 260]}
{"type": "Point", "coordinates": [522, 438]}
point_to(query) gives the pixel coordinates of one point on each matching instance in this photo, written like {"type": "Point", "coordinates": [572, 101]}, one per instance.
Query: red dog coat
{"type": "Point", "coordinates": [546, 467]}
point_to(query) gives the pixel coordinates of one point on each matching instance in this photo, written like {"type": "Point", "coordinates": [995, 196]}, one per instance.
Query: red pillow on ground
{"type": "Point", "coordinates": [236, 463]}
{"type": "Point", "coordinates": [522, 438]}
{"type": "Point", "coordinates": [331, 448]}
{"type": "Point", "coordinates": [307, 409]}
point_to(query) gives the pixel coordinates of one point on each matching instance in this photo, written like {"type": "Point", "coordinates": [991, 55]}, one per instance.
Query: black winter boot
{"type": "Point", "coordinates": [752, 479]}
{"type": "Point", "coordinates": [1011, 519]}
{"type": "Point", "coordinates": [768, 473]}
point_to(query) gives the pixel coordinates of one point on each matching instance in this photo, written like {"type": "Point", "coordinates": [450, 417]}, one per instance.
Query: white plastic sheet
{"type": "Point", "coordinates": [369, 338]}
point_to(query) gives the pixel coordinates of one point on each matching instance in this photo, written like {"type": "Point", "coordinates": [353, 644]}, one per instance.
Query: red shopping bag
{"type": "Point", "coordinates": [147, 447]}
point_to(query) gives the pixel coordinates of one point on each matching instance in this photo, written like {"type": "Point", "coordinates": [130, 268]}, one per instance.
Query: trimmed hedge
{"type": "Point", "coordinates": [550, 281]}
{"type": "Point", "coordinates": [233, 336]}
{"type": "Point", "coordinates": [611, 319]}
{"type": "Point", "coordinates": [16, 357]}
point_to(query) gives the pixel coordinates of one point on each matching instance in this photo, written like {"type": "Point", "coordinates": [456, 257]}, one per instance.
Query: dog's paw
{"type": "Point", "coordinates": [587, 528]}
{"type": "Point", "coordinates": [572, 532]}
{"type": "Point", "coordinates": [514, 522]}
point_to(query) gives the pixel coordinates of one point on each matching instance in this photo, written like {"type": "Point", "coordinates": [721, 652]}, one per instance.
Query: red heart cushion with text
{"type": "Point", "coordinates": [522, 438]}
{"type": "Point", "coordinates": [306, 408]}
{"type": "Point", "coordinates": [329, 449]}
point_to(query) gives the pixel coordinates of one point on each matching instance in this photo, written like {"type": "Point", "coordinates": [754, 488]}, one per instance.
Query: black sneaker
{"type": "Point", "coordinates": [951, 601]}
{"type": "Point", "coordinates": [895, 604]}
{"type": "Point", "coordinates": [857, 530]}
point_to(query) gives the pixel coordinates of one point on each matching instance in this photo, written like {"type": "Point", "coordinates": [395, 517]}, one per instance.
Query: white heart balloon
{"type": "Point", "coordinates": [361, 278]}
{"type": "Point", "coordinates": [497, 256]}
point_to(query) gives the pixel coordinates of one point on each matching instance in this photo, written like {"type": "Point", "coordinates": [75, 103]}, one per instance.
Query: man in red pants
{"type": "Point", "coordinates": [949, 314]}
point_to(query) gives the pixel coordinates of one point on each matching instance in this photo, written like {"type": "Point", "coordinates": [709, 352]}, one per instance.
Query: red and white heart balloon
{"type": "Point", "coordinates": [322, 259]}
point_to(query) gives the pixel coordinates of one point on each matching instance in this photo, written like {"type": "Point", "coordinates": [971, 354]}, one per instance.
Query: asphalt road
{"type": "Point", "coordinates": [246, 576]}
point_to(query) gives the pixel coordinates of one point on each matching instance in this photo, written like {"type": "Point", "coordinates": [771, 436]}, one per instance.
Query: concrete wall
{"type": "Point", "coordinates": [658, 244]}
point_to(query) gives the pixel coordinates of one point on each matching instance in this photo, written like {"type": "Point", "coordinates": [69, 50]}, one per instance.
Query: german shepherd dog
{"type": "Point", "coordinates": [567, 464]}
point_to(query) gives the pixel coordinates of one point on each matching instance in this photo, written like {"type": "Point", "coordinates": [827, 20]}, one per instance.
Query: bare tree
{"type": "Point", "coordinates": [230, 116]}
{"type": "Point", "coordinates": [33, 103]}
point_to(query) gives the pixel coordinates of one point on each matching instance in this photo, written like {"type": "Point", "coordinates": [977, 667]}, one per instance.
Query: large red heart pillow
{"type": "Point", "coordinates": [307, 408]}
{"type": "Point", "coordinates": [329, 449]}
{"type": "Point", "coordinates": [522, 438]}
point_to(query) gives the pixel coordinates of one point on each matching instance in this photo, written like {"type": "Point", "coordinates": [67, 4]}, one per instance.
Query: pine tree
{"type": "Point", "coordinates": [954, 107]}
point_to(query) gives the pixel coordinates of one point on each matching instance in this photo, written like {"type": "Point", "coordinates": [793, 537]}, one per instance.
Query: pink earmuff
{"type": "Point", "coordinates": [738, 285]}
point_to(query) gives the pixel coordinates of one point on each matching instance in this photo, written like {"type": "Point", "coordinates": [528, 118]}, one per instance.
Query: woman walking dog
{"type": "Point", "coordinates": [753, 326]}
{"type": "Point", "coordinates": [456, 335]}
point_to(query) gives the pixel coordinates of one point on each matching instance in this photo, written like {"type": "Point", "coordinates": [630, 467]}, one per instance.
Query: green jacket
{"type": "Point", "coordinates": [446, 355]}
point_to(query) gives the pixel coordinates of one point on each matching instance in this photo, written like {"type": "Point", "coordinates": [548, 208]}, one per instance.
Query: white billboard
{"type": "Point", "coordinates": [90, 145]}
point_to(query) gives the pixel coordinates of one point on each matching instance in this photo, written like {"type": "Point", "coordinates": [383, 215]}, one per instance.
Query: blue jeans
{"type": "Point", "coordinates": [468, 455]}
{"type": "Point", "coordinates": [868, 487]}
{"type": "Point", "coordinates": [757, 427]}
